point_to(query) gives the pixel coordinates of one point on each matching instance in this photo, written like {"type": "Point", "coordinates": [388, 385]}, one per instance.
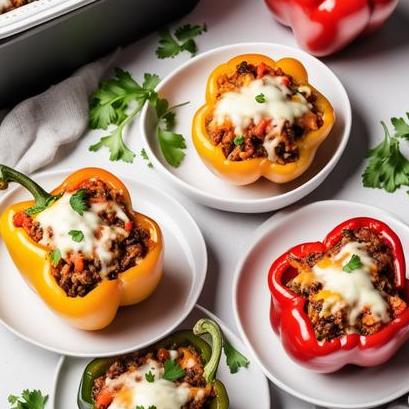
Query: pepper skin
{"type": "Point", "coordinates": [97, 309]}
{"type": "Point", "coordinates": [291, 323]}
{"type": "Point", "coordinates": [210, 356]}
{"type": "Point", "coordinates": [248, 171]}
{"type": "Point", "coordinates": [323, 27]}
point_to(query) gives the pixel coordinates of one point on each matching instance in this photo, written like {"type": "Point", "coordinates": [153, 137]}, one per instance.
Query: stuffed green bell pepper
{"type": "Point", "coordinates": [178, 372]}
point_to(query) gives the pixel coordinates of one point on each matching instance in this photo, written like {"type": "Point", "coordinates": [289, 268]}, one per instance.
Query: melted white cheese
{"type": "Point", "coordinates": [354, 288]}
{"type": "Point", "coordinates": [134, 390]}
{"type": "Point", "coordinates": [241, 107]}
{"type": "Point", "coordinates": [4, 4]}
{"type": "Point", "coordinates": [61, 219]}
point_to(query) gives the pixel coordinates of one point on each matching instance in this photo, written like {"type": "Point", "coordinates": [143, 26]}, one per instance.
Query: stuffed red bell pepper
{"type": "Point", "coordinates": [344, 300]}
{"type": "Point", "coordinates": [323, 27]}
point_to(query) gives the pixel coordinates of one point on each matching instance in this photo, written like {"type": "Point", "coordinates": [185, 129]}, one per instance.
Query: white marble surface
{"type": "Point", "coordinates": [374, 72]}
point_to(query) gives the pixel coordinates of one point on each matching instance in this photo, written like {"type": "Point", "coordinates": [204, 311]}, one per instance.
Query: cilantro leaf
{"type": "Point", "coordinates": [189, 31]}
{"type": "Point", "coordinates": [183, 40]}
{"type": "Point", "coordinates": [238, 140]}
{"type": "Point", "coordinates": [55, 257]}
{"type": "Point", "coordinates": [172, 145]}
{"type": "Point", "coordinates": [143, 407]}
{"type": "Point", "coordinates": [28, 400]}
{"type": "Point", "coordinates": [353, 264]}
{"type": "Point", "coordinates": [260, 98]}
{"type": "Point", "coordinates": [150, 81]}
{"type": "Point", "coordinates": [145, 157]}
{"type": "Point", "coordinates": [76, 235]}
{"type": "Point", "coordinates": [78, 201]}
{"type": "Point", "coordinates": [401, 127]}
{"type": "Point", "coordinates": [387, 168]}
{"type": "Point", "coordinates": [234, 359]}
{"type": "Point", "coordinates": [173, 371]}
{"type": "Point", "coordinates": [150, 377]}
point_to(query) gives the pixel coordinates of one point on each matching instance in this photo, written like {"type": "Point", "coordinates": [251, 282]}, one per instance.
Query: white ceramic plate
{"type": "Point", "coordinates": [188, 83]}
{"type": "Point", "coordinates": [185, 266]}
{"type": "Point", "coordinates": [352, 387]}
{"type": "Point", "coordinates": [243, 387]}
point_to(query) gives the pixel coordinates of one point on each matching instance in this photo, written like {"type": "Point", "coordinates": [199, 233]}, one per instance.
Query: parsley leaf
{"type": "Point", "coordinates": [150, 377]}
{"type": "Point", "coordinates": [143, 407]}
{"type": "Point", "coordinates": [353, 264]}
{"type": "Point", "coordinates": [183, 40]}
{"type": "Point", "coordinates": [78, 201]}
{"type": "Point", "coordinates": [172, 371]}
{"type": "Point", "coordinates": [401, 127]}
{"type": "Point", "coordinates": [28, 400]}
{"type": "Point", "coordinates": [234, 359]}
{"type": "Point", "coordinates": [145, 157]}
{"type": "Point", "coordinates": [55, 257]}
{"type": "Point", "coordinates": [238, 140]}
{"type": "Point", "coordinates": [387, 168]}
{"type": "Point", "coordinates": [76, 235]}
{"type": "Point", "coordinates": [110, 105]}
{"type": "Point", "coordinates": [260, 98]}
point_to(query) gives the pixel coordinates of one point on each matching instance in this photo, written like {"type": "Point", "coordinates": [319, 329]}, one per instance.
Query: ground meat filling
{"type": "Point", "coordinates": [13, 4]}
{"type": "Point", "coordinates": [336, 324]}
{"type": "Point", "coordinates": [76, 274]}
{"type": "Point", "coordinates": [250, 143]}
{"type": "Point", "coordinates": [103, 394]}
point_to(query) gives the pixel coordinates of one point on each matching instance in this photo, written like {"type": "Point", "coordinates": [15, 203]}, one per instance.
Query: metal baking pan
{"type": "Point", "coordinates": [48, 39]}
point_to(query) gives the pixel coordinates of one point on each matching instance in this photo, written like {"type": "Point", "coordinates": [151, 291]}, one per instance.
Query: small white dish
{"type": "Point", "coordinates": [352, 387]}
{"type": "Point", "coordinates": [243, 388]}
{"type": "Point", "coordinates": [188, 83]}
{"type": "Point", "coordinates": [24, 313]}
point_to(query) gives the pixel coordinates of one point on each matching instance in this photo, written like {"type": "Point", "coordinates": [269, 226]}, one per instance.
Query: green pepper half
{"type": "Point", "coordinates": [210, 356]}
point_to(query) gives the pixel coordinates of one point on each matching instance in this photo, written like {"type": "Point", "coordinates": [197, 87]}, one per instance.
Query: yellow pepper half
{"type": "Point", "coordinates": [98, 308]}
{"type": "Point", "coordinates": [248, 171]}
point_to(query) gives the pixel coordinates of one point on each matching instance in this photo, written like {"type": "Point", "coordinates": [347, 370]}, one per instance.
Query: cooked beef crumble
{"type": "Point", "coordinates": [77, 274]}
{"type": "Point", "coordinates": [336, 324]}
{"type": "Point", "coordinates": [14, 4]}
{"type": "Point", "coordinates": [193, 376]}
{"type": "Point", "coordinates": [254, 135]}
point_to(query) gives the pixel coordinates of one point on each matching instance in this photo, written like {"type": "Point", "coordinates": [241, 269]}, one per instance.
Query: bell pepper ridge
{"type": "Point", "coordinates": [290, 322]}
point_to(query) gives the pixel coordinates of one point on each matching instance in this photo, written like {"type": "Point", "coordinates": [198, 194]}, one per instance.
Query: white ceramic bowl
{"type": "Point", "coordinates": [185, 264]}
{"type": "Point", "coordinates": [188, 83]}
{"type": "Point", "coordinates": [350, 388]}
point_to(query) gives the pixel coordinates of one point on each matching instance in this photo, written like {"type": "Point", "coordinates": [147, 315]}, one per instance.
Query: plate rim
{"type": "Point", "coordinates": [256, 238]}
{"type": "Point", "coordinates": [218, 201]}
{"type": "Point", "coordinates": [186, 311]}
{"type": "Point", "coordinates": [232, 334]}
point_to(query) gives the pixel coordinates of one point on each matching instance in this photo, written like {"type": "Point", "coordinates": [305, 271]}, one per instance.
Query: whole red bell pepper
{"type": "Point", "coordinates": [292, 324]}
{"type": "Point", "coordinates": [323, 27]}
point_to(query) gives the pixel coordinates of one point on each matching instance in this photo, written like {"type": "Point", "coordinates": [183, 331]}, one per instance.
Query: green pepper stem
{"type": "Point", "coordinates": [8, 175]}
{"type": "Point", "coordinates": [207, 326]}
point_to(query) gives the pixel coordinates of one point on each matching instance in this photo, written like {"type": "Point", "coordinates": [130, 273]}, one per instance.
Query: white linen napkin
{"type": "Point", "coordinates": [32, 132]}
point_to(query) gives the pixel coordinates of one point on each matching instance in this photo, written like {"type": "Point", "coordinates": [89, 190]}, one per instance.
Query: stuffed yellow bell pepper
{"type": "Point", "coordinates": [261, 118]}
{"type": "Point", "coordinates": [81, 247]}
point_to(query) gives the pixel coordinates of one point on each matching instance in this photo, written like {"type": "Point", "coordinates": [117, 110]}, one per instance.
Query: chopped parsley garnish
{"type": "Point", "coordinates": [173, 371]}
{"type": "Point", "coordinates": [388, 169]}
{"type": "Point", "coordinates": [145, 157]}
{"type": "Point", "coordinates": [143, 407]}
{"type": "Point", "coordinates": [117, 102]}
{"type": "Point", "coordinates": [260, 98]}
{"type": "Point", "coordinates": [76, 235]}
{"type": "Point", "coordinates": [150, 377]}
{"type": "Point", "coordinates": [28, 400]}
{"type": "Point", "coordinates": [183, 40]}
{"type": "Point", "coordinates": [353, 264]}
{"type": "Point", "coordinates": [234, 359]}
{"type": "Point", "coordinates": [55, 257]}
{"type": "Point", "coordinates": [238, 140]}
{"type": "Point", "coordinates": [78, 201]}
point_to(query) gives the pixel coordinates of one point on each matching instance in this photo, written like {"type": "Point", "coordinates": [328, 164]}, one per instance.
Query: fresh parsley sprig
{"type": "Point", "coordinates": [28, 400]}
{"type": "Point", "coordinates": [76, 235]}
{"type": "Point", "coordinates": [143, 407]}
{"type": "Point", "coordinates": [150, 377]}
{"type": "Point", "coordinates": [183, 40]}
{"type": "Point", "coordinates": [354, 263]}
{"type": "Point", "coordinates": [173, 371]}
{"type": "Point", "coordinates": [55, 257]}
{"type": "Point", "coordinates": [78, 201]}
{"type": "Point", "coordinates": [234, 359]}
{"type": "Point", "coordinates": [387, 168]}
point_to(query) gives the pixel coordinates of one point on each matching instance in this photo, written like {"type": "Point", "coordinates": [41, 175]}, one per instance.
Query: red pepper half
{"type": "Point", "coordinates": [291, 323]}
{"type": "Point", "coordinates": [323, 27]}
